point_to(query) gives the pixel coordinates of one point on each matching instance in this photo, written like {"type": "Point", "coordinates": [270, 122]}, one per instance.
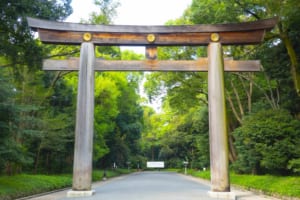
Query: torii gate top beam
{"type": "Point", "coordinates": [185, 35]}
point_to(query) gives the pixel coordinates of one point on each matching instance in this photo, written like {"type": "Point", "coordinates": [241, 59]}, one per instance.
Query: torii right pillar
{"type": "Point", "coordinates": [218, 137]}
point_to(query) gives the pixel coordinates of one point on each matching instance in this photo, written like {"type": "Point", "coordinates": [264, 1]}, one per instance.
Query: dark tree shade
{"type": "Point", "coordinates": [16, 40]}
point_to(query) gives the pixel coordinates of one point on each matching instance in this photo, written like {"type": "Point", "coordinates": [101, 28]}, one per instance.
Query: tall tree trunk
{"type": "Point", "coordinates": [236, 114]}
{"type": "Point", "coordinates": [37, 159]}
{"type": "Point", "coordinates": [293, 57]}
{"type": "Point", "coordinates": [237, 96]}
{"type": "Point", "coordinates": [232, 150]}
{"type": "Point", "coordinates": [248, 90]}
{"type": "Point", "coordinates": [8, 168]}
{"type": "Point", "coordinates": [152, 152]}
{"type": "Point", "coordinates": [294, 63]}
{"type": "Point", "coordinates": [47, 163]}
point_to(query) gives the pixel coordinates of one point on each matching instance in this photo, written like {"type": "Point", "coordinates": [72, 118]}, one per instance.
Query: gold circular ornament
{"type": "Point", "coordinates": [215, 37]}
{"type": "Point", "coordinates": [87, 37]}
{"type": "Point", "coordinates": [151, 38]}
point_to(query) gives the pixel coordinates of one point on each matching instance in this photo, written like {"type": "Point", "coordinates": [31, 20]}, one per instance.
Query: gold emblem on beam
{"type": "Point", "coordinates": [151, 38]}
{"type": "Point", "coordinates": [87, 37]}
{"type": "Point", "coordinates": [215, 37]}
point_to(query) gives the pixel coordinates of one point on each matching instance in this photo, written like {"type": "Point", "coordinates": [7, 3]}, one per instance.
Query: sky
{"type": "Point", "coordinates": [135, 12]}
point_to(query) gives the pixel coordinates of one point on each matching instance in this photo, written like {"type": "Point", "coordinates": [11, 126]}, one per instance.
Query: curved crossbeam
{"type": "Point", "coordinates": [187, 35]}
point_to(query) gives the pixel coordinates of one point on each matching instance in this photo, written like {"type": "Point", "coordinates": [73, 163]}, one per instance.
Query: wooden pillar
{"type": "Point", "coordinates": [217, 120]}
{"type": "Point", "coordinates": [82, 169]}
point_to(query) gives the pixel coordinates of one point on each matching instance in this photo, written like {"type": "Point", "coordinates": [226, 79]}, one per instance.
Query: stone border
{"type": "Point", "coordinates": [74, 193]}
{"type": "Point", "coordinates": [222, 195]}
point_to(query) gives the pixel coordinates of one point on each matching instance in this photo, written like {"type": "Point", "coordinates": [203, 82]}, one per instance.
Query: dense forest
{"type": "Point", "coordinates": [37, 108]}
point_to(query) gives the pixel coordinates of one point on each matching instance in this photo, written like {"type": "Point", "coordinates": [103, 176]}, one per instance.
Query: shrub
{"type": "Point", "coordinates": [266, 142]}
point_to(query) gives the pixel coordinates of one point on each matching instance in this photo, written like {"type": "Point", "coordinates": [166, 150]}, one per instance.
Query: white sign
{"type": "Point", "coordinates": [155, 164]}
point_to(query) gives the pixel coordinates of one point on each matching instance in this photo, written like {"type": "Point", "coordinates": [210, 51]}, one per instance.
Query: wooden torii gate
{"type": "Point", "coordinates": [151, 37]}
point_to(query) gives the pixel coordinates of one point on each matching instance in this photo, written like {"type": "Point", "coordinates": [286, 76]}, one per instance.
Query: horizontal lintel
{"type": "Point", "coordinates": [201, 64]}
{"type": "Point", "coordinates": [187, 35]}
{"type": "Point", "coordinates": [161, 39]}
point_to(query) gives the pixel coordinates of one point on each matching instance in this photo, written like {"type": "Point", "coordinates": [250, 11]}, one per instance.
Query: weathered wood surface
{"type": "Point", "coordinates": [153, 65]}
{"type": "Point", "coordinates": [188, 35]}
{"type": "Point", "coordinates": [135, 39]}
{"type": "Point", "coordinates": [66, 26]}
{"type": "Point", "coordinates": [83, 151]}
{"type": "Point", "coordinates": [151, 52]}
{"type": "Point", "coordinates": [218, 138]}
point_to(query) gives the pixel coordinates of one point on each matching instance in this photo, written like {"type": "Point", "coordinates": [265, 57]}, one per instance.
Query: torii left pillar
{"type": "Point", "coordinates": [218, 138]}
{"type": "Point", "coordinates": [83, 152]}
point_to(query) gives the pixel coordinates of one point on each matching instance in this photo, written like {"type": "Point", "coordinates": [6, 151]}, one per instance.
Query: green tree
{"type": "Point", "coordinates": [245, 92]}
{"type": "Point", "coordinates": [21, 55]}
{"type": "Point", "coordinates": [10, 151]}
{"type": "Point", "coordinates": [286, 32]}
{"type": "Point", "coordinates": [124, 127]}
{"type": "Point", "coordinates": [106, 111]}
{"type": "Point", "coordinates": [153, 124]}
{"type": "Point", "coordinates": [187, 140]}
{"type": "Point", "coordinates": [267, 145]}
{"type": "Point", "coordinates": [17, 39]}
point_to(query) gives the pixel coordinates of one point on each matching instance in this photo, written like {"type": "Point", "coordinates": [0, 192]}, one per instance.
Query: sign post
{"type": "Point", "coordinates": [185, 163]}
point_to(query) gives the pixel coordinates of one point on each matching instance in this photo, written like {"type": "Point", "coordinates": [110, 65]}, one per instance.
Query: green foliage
{"type": "Point", "coordinates": [175, 138]}
{"type": "Point", "coordinates": [266, 142]}
{"type": "Point", "coordinates": [271, 185]}
{"type": "Point", "coordinates": [294, 165]}
{"type": "Point", "coordinates": [16, 38]}
{"type": "Point", "coordinates": [9, 151]}
{"type": "Point", "coordinates": [22, 185]}
{"type": "Point", "coordinates": [122, 127]}
{"type": "Point", "coordinates": [285, 186]}
{"type": "Point", "coordinates": [37, 108]}
{"type": "Point", "coordinates": [107, 11]}
{"type": "Point", "coordinates": [213, 11]}
{"type": "Point", "coordinates": [247, 94]}
{"type": "Point", "coordinates": [29, 124]}
{"type": "Point", "coordinates": [13, 187]}
{"type": "Point", "coordinates": [201, 174]}
{"type": "Point", "coordinates": [98, 174]}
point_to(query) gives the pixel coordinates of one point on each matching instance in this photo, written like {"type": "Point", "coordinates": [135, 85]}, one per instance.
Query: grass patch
{"type": "Point", "coordinates": [12, 187]}
{"type": "Point", "coordinates": [272, 185]}
{"type": "Point", "coordinates": [99, 174]}
{"type": "Point", "coordinates": [288, 186]}
{"type": "Point", "coordinates": [172, 170]}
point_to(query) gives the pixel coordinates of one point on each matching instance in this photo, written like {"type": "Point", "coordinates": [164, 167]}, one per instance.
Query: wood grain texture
{"type": "Point", "coordinates": [265, 24]}
{"type": "Point", "coordinates": [153, 65]}
{"type": "Point", "coordinates": [151, 52]}
{"type": "Point", "coordinates": [186, 35]}
{"type": "Point", "coordinates": [83, 151]}
{"type": "Point", "coordinates": [140, 39]}
{"type": "Point", "coordinates": [218, 136]}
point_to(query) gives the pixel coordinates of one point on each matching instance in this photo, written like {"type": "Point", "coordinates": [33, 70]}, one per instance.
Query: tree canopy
{"type": "Point", "coordinates": [273, 90]}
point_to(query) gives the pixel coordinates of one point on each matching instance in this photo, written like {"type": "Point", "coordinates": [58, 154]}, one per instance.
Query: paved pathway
{"type": "Point", "coordinates": [152, 186]}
